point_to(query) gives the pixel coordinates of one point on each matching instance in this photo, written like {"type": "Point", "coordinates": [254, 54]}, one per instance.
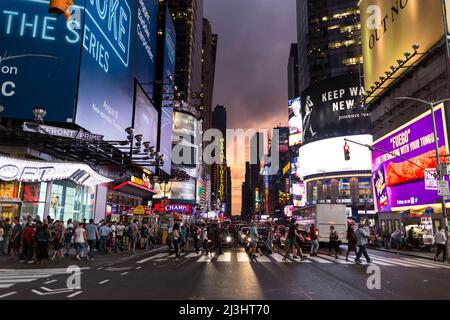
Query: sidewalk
{"type": "Point", "coordinates": [100, 260]}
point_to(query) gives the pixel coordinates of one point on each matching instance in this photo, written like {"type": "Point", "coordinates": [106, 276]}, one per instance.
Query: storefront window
{"type": "Point", "coordinates": [344, 188]}
{"type": "Point", "coordinates": [9, 189]}
{"type": "Point", "coordinates": [33, 197]}
{"type": "Point", "coordinates": [71, 201]}
{"type": "Point", "coordinates": [364, 189]}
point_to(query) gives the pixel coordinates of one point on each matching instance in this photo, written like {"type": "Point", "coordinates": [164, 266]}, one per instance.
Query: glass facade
{"type": "Point", "coordinates": [66, 200]}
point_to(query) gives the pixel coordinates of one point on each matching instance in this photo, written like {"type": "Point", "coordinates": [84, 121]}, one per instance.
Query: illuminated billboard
{"type": "Point", "coordinates": [331, 108]}
{"type": "Point", "coordinates": [299, 194]}
{"type": "Point", "coordinates": [295, 122]}
{"type": "Point", "coordinates": [175, 190]}
{"type": "Point", "coordinates": [399, 184]}
{"type": "Point", "coordinates": [115, 51]}
{"type": "Point", "coordinates": [390, 28]}
{"type": "Point", "coordinates": [327, 156]}
{"type": "Point", "coordinates": [39, 58]}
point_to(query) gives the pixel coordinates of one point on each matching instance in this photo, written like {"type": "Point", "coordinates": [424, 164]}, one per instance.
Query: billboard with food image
{"type": "Point", "coordinates": [400, 184]}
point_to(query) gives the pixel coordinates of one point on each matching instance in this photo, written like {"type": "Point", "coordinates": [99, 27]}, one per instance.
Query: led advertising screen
{"type": "Point", "coordinates": [170, 40]}
{"type": "Point", "coordinates": [295, 122]}
{"type": "Point", "coordinates": [299, 194]}
{"type": "Point", "coordinates": [165, 145]}
{"type": "Point", "coordinates": [331, 108]}
{"type": "Point", "coordinates": [118, 46]}
{"type": "Point", "coordinates": [39, 58]}
{"type": "Point", "coordinates": [398, 184]}
{"type": "Point", "coordinates": [175, 190]}
{"type": "Point", "coordinates": [327, 156]}
{"type": "Point", "coordinates": [145, 118]}
{"type": "Point", "coordinates": [403, 26]}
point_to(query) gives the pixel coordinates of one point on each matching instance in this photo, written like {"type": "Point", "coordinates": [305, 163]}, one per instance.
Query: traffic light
{"type": "Point", "coordinates": [60, 7]}
{"type": "Point", "coordinates": [347, 152]}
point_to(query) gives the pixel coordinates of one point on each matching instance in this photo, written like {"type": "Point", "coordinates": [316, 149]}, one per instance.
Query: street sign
{"type": "Point", "coordinates": [62, 132]}
{"type": "Point", "coordinates": [443, 189]}
{"type": "Point", "coordinates": [430, 179]}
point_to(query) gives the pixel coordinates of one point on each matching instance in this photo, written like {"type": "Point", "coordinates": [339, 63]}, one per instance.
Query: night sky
{"type": "Point", "coordinates": [251, 77]}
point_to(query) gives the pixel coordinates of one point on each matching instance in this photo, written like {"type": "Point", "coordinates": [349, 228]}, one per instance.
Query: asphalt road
{"type": "Point", "coordinates": [232, 276]}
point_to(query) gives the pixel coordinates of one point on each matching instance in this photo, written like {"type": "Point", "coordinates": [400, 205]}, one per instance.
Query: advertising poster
{"type": "Point", "coordinates": [299, 194]}
{"type": "Point", "coordinates": [399, 184]}
{"type": "Point", "coordinates": [175, 190]}
{"type": "Point", "coordinates": [331, 108]}
{"type": "Point", "coordinates": [39, 58]}
{"type": "Point", "coordinates": [170, 40]}
{"type": "Point", "coordinates": [403, 26]}
{"type": "Point", "coordinates": [295, 122]}
{"type": "Point", "coordinates": [116, 50]}
{"type": "Point", "coordinates": [165, 145]}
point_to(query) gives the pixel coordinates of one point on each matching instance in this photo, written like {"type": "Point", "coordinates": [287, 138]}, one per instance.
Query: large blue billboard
{"type": "Point", "coordinates": [118, 47]}
{"type": "Point", "coordinates": [39, 59]}
{"type": "Point", "coordinates": [82, 71]}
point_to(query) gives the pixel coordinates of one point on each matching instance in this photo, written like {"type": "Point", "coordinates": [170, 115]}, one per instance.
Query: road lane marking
{"type": "Point", "coordinates": [226, 257]}
{"type": "Point", "coordinates": [429, 263]}
{"type": "Point", "coordinates": [51, 281]}
{"type": "Point", "coordinates": [8, 294]}
{"type": "Point", "coordinates": [339, 261]}
{"type": "Point", "coordinates": [16, 280]}
{"type": "Point", "coordinates": [204, 259]}
{"type": "Point", "coordinates": [74, 294]}
{"type": "Point", "coordinates": [6, 285]}
{"type": "Point", "coordinates": [320, 260]}
{"type": "Point", "coordinates": [156, 256]}
{"type": "Point", "coordinates": [279, 258]}
{"type": "Point", "coordinates": [395, 262]}
{"type": "Point", "coordinates": [137, 268]}
{"type": "Point", "coordinates": [123, 273]}
{"type": "Point", "coordinates": [103, 282]}
{"type": "Point", "coordinates": [263, 259]}
{"type": "Point", "coordinates": [242, 257]}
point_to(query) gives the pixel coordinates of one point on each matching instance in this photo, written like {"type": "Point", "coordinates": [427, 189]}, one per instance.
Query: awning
{"type": "Point", "coordinates": [134, 189]}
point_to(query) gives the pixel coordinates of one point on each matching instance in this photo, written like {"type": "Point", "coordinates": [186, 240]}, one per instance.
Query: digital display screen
{"type": "Point", "coordinates": [295, 122]}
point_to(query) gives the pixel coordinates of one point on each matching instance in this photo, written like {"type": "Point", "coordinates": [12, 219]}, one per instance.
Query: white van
{"type": "Point", "coordinates": [324, 216]}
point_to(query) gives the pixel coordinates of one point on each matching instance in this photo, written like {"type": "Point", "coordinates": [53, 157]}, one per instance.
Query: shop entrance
{"type": "Point", "coordinates": [10, 210]}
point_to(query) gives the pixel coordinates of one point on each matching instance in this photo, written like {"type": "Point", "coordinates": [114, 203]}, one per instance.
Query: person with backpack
{"type": "Point", "coordinates": [204, 238]}
{"type": "Point", "coordinates": [16, 238]}
{"type": "Point", "coordinates": [334, 242]}
{"type": "Point", "coordinates": [292, 242]}
{"type": "Point", "coordinates": [43, 239]}
{"type": "Point", "coordinates": [144, 232]}
{"type": "Point", "coordinates": [68, 235]}
{"type": "Point", "coordinates": [351, 239]}
{"type": "Point", "coordinates": [28, 242]}
{"type": "Point", "coordinates": [58, 240]}
{"type": "Point", "coordinates": [176, 239]}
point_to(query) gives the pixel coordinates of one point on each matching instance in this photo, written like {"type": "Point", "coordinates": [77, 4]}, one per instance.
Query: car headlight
{"type": "Point", "coordinates": [228, 239]}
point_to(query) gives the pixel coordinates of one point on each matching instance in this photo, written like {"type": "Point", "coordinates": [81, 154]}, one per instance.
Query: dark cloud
{"type": "Point", "coordinates": [254, 43]}
{"type": "Point", "coordinates": [251, 76]}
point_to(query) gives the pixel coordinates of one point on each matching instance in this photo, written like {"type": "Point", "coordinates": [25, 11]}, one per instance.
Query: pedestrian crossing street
{"type": "Point", "coordinates": [242, 257]}
{"type": "Point", "coordinates": [10, 277]}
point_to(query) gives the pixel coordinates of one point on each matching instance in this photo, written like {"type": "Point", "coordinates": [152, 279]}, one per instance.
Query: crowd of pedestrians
{"type": "Point", "coordinates": [35, 240]}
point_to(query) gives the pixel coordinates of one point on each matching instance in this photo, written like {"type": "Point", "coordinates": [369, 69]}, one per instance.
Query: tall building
{"type": "Point", "coordinates": [188, 20]}
{"type": "Point", "coordinates": [209, 52]}
{"type": "Point", "coordinates": [220, 194]}
{"type": "Point", "coordinates": [228, 200]}
{"type": "Point", "coordinates": [292, 71]}
{"type": "Point", "coordinates": [328, 34]}
{"type": "Point", "coordinates": [247, 196]}
{"type": "Point", "coordinates": [256, 182]}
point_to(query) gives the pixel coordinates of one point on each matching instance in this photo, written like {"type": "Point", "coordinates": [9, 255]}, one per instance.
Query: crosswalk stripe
{"type": "Point", "coordinates": [6, 285]}
{"type": "Point", "coordinates": [263, 259]}
{"type": "Point", "coordinates": [279, 258]}
{"type": "Point", "coordinates": [242, 257]}
{"type": "Point", "coordinates": [156, 256]}
{"type": "Point", "coordinates": [226, 257]}
{"type": "Point", "coordinates": [340, 261]}
{"type": "Point", "coordinates": [320, 260]}
{"type": "Point", "coordinates": [206, 259]}
{"type": "Point", "coordinates": [17, 280]}
{"type": "Point", "coordinates": [428, 263]}
{"type": "Point", "coordinates": [395, 262]}
{"type": "Point", "coordinates": [420, 264]}
{"type": "Point", "coordinates": [192, 255]}
{"type": "Point", "coordinates": [9, 276]}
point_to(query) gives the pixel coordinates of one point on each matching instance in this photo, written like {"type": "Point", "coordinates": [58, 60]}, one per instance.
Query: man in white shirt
{"type": "Point", "coordinates": [441, 245]}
